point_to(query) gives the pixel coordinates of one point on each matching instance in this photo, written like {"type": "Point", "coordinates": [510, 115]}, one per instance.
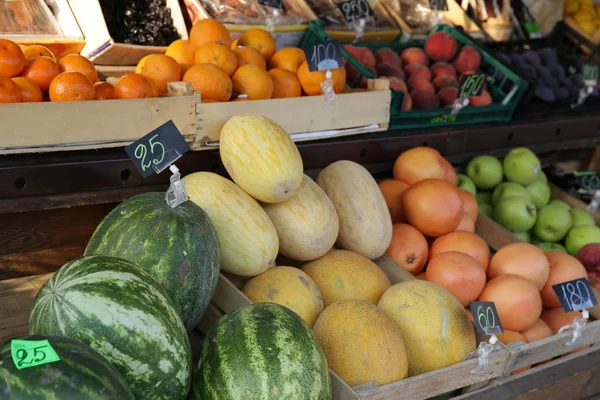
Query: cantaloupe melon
{"type": "Point", "coordinates": [247, 237]}
{"type": "Point", "coordinates": [289, 287]}
{"type": "Point", "coordinates": [436, 329]}
{"type": "Point", "coordinates": [361, 343]}
{"type": "Point", "coordinates": [365, 222]}
{"type": "Point", "coordinates": [342, 274]}
{"type": "Point", "coordinates": [307, 223]}
{"type": "Point", "coordinates": [261, 157]}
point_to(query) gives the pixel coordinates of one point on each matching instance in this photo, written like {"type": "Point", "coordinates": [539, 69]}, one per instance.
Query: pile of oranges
{"type": "Point", "coordinates": [434, 238]}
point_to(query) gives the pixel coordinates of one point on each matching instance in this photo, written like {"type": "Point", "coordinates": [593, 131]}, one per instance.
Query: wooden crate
{"type": "Point", "coordinates": [594, 39]}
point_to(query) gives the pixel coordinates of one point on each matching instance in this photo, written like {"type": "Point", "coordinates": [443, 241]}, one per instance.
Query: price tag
{"type": "Point", "coordinates": [31, 353]}
{"type": "Point", "coordinates": [575, 295]}
{"type": "Point", "coordinates": [157, 150]}
{"type": "Point", "coordinates": [278, 4]}
{"type": "Point", "coordinates": [323, 56]}
{"type": "Point", "coordinates": [486, 317]}
{"type": "Point", "coordinates": [590, 74]}
{"type": "Point", "coordinates": [354, 10]}
{"type": "Point", "coordinates": [439, 5]}
{"type": "Point", "coordinates": [471, 86]}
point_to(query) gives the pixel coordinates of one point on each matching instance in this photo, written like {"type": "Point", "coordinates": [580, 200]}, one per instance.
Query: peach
{"type": "Point", "coordinates": [367, 57]}
{"type": "Point", "coordinates": [424, 99]}
{"type": "Point", "coordinates": [414, 55]}
{"type": "Point", "coordinates": [441, 46]}
{"type": "Point", "coordinates": [483, 99]}
{"type": "Point", "coordinates": [407, 103]}
{"type": "Point", "coordinates": [388, 70]}
{"type": "Point", "coordinates": [352, 74]}
{"type": "Point", "coordinates": [417, 82]}
{"type": "Point", "coordinates": [448, 95]}
{"type": "Point", "coordinates": [468, 59]}
{"type": "Point", "coordinates": [441, 68]}
{"type": "Point", "coordinates": [417, 70]}
{"type": "Point", "coordinates": [398, 84]}
{"type": "Point", "coordinates": [354, 52]}
{"type": "Point", "coordinates": [388, 56]}
{"type": "Point", "coordinates": [364, 82]}
{"type": "Point", "coordinates": [444, 81]}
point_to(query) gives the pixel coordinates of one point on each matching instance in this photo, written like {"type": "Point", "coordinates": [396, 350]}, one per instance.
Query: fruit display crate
{"type": "Point", "coordinates": [594, 39]}
{"type": "Point", "coordinates": [506, 87]}
{"type": "Point", "coordinates": [118, 123]}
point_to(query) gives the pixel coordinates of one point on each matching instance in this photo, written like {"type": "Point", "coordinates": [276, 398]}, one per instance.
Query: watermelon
{"type": "Point", "coordinates": [81, 374]}
{"type": "Point", "coordinates": [119, 310]}
{"type": "Point", "coordinates": [261, 351]}
{"type": "Point", "coordinates": [178, 246]}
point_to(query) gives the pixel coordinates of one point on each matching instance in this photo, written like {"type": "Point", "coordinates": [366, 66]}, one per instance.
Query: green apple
{"type": "Point", "coordinates": [485, 171]}
{"type": "Point", "coordinates": [552, 223]}
{"type": "Point", "coordinates": [524, 236]}
{"type": "Point", "coordinates": [486, 209]}
{"type": "Point", "coordinates": [509, 189]}
{"type": "Point", "coordinates": [539, 192]}
{"type": "Point", "coordinates": [545, 247]}
{"type": "Point", "coordinates": [581, 217]}
{"type": "Point", "coordinates": [544, 179]}
{"type": "Point", "coordinates": [484, 198]}
{"type": "Point", "coordinates": [579, 236]}
{"type": "Point", "coordinates": [559, 203]}
{"type": "Point", "coordinates": [515, 213]}
{"type": "Point", "coordinates": [463, 181]}
{"type": "Point", "coordinates": [521, 166]}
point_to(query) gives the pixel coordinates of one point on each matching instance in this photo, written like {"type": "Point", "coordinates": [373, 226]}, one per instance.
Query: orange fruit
{"type": "Point", "coordinates": [433, 206]}
{"type": "Point", "coordinates": [563, 268]}
{"type": "Point", "coordinates": [36, 50]}
{"type": "Point", "coordinates": [458, 273]}
{"type": "Point", "coordinates": [289, 58]}
{"type": "Point", "coordinates": [285, 84]}
{"type": "Point", "coordinates": [466, 224]}
{"type": "Point", "coordinates": [71, 86]}
{"type": "Point", "coordinates": [248, 55]}
{"type": "Point", "coordinates": [538, 331]}
{"type": "Point", "coordinates": [556, 318]}
{"type": "Point", "coordinates": [511, 336]}
{"type": "Point", "coordinates": [469, 204]}
{"type": "Point", "coordinates": [9, 91]}
{"type": "Point", "coordinates": [77, 63]}
{"type": "Point", "coordinates": [517, 301]}
{"type": "Point", "coordinates": [392, 193]}
{"type": "Point", "coordinates": [521, 259]}
{"type": "Point", "coordinates": [419, 163]}
{"type": "Point", "coordinates": [218, 54]}
{"type": "Point", "coordinates": [259, 39]}
{"type": "Point", "coordinates": [234, 44]}
{"type": "Point", "coordinates": [210, 81]}
{"type": "Point", "coordinates": [104, 91]}
{"type": "Point", "coordinates": [30, 92]}
{"type": "Point", "coordinates": [450, 172]}
{"type": "Point", "coordinates": [160, 69]}
{"type": "Point", "coordinates": [253, 81]}
{"type": "Point", "coordinates": [133, 86]}
{"type": "Point", "coordinates": [12, 59]}
{"type": "Point", "coordinates": [408, 248]}
{"type": "Point", "coordinates": [464, 242]}
{"type": "Point", "coordinates": [182, 51]}
{"type": "Point", "coordinates": [209, 31]}
{"type": "Point", "coordinates": [41, 70]}
{"type": "Point", "coordinates": [311, 81]}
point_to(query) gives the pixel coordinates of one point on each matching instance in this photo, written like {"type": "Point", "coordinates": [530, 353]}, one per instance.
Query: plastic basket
{"type": "Point", "coordinates": [506, 86]}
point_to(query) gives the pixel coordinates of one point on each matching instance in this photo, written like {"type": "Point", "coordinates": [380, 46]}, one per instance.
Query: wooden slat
{"type": "Point", "coordinates": [16, 297]}
{"type": "Point", "coordinates": [494, 234]}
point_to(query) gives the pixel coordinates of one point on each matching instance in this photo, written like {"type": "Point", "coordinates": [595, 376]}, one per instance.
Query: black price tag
{"type": "Point", "coordinates": [575, 295]}
{"type": "Point", "coordinates": [486, 317]}
{"type": "Point", "coordinates": [354, 10]}
{"type": "Point", "coordinates": [278, 4]}
{"type": "Point", "coordinates": [438, 5]}
{"type": "Point", "coordinates": [471, 86]}
{"type": "Point", "coordinates": [323, 56]}
{"type": "Point", "coordinates": [157, 150]}
{"type": "Point", "coordinates": [590, 74]}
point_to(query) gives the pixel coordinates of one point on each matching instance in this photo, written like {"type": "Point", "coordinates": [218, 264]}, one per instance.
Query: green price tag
{"type": "Point", "coordinates": [31, 353]}
{"type": "Point", "coordinates": [590, 74]}
{"type": "Point", "coordinates": [471, 86]}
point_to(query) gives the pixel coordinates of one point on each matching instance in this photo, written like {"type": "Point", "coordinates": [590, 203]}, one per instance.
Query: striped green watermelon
{"type": "Point", "coordinates": [119, 310]}
{"type": "Point", "coordinates": [178, 246]}
{"type": "Point", "coordinates": [261, 351]}
{"type": "Point", "coordinates": [81, 374]}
